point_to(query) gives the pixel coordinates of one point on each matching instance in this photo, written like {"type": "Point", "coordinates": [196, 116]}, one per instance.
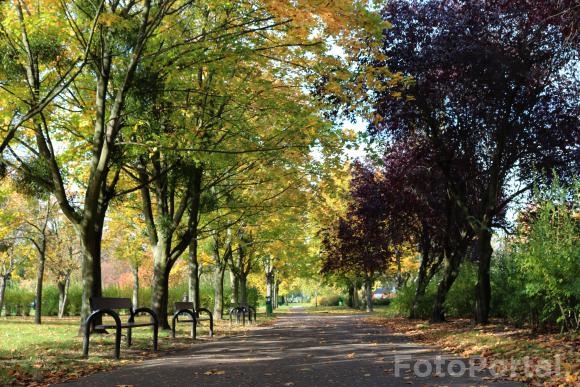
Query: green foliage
{"type": "Point", "coordinates": [402, 303]}
{"type": "Point", "coordinates": [206, 295]}
{"type": "Point", "coordinates": [509, 299]}
{"type": "Point", "coordinates": [459, 301]}
{"type": "Point", "coordinates": [382, 302]}
{"type": "Point", "coordinates": [254, 298]}
{"type": "Point", "coordinates": [50, 300]}
{"type": "Point", "coordinates": [17, 302]}
{"type": "Point", "coordinates": [73, 307]}
{"type": "Point", "coordinates": [16, 297]}
{"type": "Point", "coordinates": [537, 274]}
{"type": "Point", "coordinates": [33, 179]}
{"type": "Point", "coordinates": [328, 300]}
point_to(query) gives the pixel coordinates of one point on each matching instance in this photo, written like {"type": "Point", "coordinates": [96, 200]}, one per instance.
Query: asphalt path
{"type": "Point", "coordinates": [301, 350]}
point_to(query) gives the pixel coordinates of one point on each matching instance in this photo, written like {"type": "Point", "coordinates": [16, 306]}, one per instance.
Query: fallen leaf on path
{"type": "Point", "coordinates": [350, 355]}
{"type": "Point", "coordinates": [214, 372]}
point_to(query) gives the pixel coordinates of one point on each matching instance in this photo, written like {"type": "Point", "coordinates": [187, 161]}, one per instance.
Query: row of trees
{"type": "Point", "coordinates": [489, 108]}
{"type": "Point", "coordinates": [192, 119]}
{"type": "Point", "coordinates": [33, 236]}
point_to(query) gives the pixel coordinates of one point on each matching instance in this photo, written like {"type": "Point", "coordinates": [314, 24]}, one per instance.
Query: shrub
{"type": "Point", "coordinates": [328, 300]}
{"type": "Point", "coordinates": [176, 293]}
{"type": "Point", "coordinates": [206, 295]}
{"type": "Point", "coordinates": [382, 301]}
{"type": "Point", "coordinates": [254, 298]}
{"type": "Point", "coordinates": [117, 291]}
{"type": "Point", "coordinates": [460, 301]}
{"type": "Point", "coordinates": [508, 298]}
{"type": "Point", "coordinates": [74, 301]}
{"type": "Point", "coordinates": [17, 301]}
{"type": "Point", "coordinates": [536, 276]}
{"type": "Point", "coordinates": [403, 302]}
{"type": "Point", "coordinates": [50, 300]}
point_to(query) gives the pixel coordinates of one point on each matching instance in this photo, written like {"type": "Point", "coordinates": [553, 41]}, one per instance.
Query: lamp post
{"type": "Point", "coordinates": [269, 283]}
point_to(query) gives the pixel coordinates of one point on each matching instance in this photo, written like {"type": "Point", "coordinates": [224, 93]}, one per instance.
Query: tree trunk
{"type": "Point", "coordinates": [135, 296]}
{"type": "Point", "coordinates": [243, 284]}
{"type": "Point", "coordinates": [421, 287]}
{"type": "Point", "coordinates": [39, 283]}
{"type": "Point", "coordinates": [483, 285]}
{"type": "Point", "coordinates": [275, 298]}
{"type": "Point", "coordinates": [63, 287]}
{"type": "Point", "coordinates": [193, 265]}
{"type": "Point", "coordinates": [269, 289]}
{"type": "Point", "coordinates": [234, 281]}
{"type": "Point", "coordinates": [429, 266]}
{"type": "Point", "coordinates": [164, 318]}
{"type": "Point", "coordinates": [160, 281]}
{"type": "Point", "coordinates": [90, 235]}
{"type": "Point", "coordinates": [218, 304]}
{"type": "Point", "coordinates": [369, 292]}
{"type": "Point", "coordinates": [399, 269]}
{"type": "Point", "coordinates": [2, 291]}
{"type": "Point", "coordinates": [356, 299]}
{"type": "Point", "coordinates": [350, 301]}
{"type": "Point", "coordinates": [451, 272]}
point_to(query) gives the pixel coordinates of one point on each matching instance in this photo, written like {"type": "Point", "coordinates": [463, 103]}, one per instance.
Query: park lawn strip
{"type": "Point", "coordinates": [39, 355]}
{"type": "Point", "coordinates": [311, 309]}
{"type": "Point", "coordinates": [496, 342]}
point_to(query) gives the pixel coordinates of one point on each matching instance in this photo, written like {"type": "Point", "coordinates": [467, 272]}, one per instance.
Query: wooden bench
{"type": "Point", "coordinates": [186, 308]}
{"type": "Point", "coordinates": [109, 306]}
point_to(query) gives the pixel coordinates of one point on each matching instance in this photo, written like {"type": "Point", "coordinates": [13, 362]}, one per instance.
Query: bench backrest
{"type": "Point", "coordinates": [110, 303]}
{"type": "Point", "coordinates": [183, 305]}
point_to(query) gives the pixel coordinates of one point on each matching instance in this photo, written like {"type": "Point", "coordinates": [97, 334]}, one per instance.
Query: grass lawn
{"type": "Point", "coordinates": [309, 308]}
{"type": "Point", "coordinates": [35, 355]}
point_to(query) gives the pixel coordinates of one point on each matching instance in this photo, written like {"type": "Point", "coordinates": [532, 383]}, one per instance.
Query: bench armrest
{"type": "Point", "coordinates": [100, 312]}
{"type": "Point", "coordinates": [185, 311]}
{"type": "Point", "coordinates": [198, 312]}
{"type": "Point", "coordinates": [144, 310]}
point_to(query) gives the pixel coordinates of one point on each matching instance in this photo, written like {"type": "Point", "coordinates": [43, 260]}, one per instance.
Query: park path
{"type": "Point", "coordinates": [298, 350]}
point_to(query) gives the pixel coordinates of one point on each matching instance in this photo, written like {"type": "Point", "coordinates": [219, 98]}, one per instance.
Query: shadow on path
{"type": "Point", "coordinates": [299, 350]}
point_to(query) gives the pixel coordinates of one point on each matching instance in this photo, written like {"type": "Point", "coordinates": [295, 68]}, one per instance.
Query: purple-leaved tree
{"type": "Point", "coordinates": [494, 95]}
